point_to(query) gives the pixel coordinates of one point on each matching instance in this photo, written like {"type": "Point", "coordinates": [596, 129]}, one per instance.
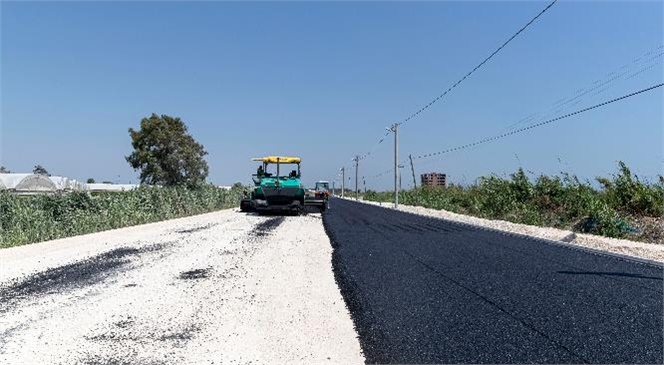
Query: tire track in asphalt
{"type": "Point", "coordinates": [456, 293]}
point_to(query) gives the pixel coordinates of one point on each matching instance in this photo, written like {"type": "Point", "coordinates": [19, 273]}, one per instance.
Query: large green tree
{"type": "Point", "coordinates": [166, 154]}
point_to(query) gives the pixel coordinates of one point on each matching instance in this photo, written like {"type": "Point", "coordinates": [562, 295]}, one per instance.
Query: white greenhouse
{"type": "Point", "coordinates": [67, 184]}
{"type": "Point", "coordinates": [38, 184]}
{"type": "Point", "coordinates": [111, 187]}
{"type": "Point", "coordinates": [27, 184]}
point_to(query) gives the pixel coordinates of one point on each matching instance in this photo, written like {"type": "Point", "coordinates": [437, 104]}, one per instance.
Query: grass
{"type": "Point", "coordinates": [621, 206]}
{"type": "Point", "coordinates": [29, 219]}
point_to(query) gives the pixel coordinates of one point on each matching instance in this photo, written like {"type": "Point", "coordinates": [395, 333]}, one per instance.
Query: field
{"type": "Point", "coordinates": [622, 206]}
{"type": "Point", "coordinates": [29, 219]}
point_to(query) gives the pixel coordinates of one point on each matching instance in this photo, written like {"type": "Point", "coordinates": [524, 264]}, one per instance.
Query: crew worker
{"type": "Point", "coordinates": [260, 171]}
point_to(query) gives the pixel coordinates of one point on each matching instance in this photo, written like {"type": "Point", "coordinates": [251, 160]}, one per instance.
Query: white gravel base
{"type": "Point", "coordinates": [649, 251]}
{"type": "Point", "coordinates": [218, 294]}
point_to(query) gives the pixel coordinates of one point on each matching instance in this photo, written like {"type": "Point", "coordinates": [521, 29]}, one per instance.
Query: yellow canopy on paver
{"type": "Point", "coordinates": [277, 159]}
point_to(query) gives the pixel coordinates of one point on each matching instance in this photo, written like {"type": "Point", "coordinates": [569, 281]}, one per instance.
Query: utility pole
{"type": "Point", "coordinates": [412, 169]}
{"type": "Point", "coordinates": [400, 174]}
{"type": "Point", "coordinates": [394, 129]}
{"type": "Point", "coordinates": [364, 182]}
{"type": "Point", "coordinates": [343, 181]}
{"type": "Point", "coordinates": [357, 163]}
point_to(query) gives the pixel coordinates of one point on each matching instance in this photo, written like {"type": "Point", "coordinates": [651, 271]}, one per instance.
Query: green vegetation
{"type": "Point", "coordinates": [173, 173]}
{"type": "Point", "coordinates": [166, 154]}
{"type": "Point", "coordinates": [622, 206]}
{"type": "Point", "coordinates": [29, 219]}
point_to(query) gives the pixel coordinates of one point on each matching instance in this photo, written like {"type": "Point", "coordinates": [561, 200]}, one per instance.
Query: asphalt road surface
{"type": "Point", "coordinates": [424, 290]}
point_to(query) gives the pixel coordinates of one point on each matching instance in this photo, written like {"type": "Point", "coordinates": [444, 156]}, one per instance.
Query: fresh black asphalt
{"type": "Point", "coordinates": [425, 290]}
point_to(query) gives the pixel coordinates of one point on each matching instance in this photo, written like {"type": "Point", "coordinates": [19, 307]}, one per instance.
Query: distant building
{"type": "Point", "coordinates": [433, 179]}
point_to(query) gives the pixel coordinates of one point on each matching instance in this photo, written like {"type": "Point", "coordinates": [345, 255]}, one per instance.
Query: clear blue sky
{"type": "Point", "coordinates": [323, 80]}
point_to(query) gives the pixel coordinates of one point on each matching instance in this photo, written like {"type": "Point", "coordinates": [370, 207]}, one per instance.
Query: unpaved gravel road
{"type": "Point", "coordinates": [224, 287]}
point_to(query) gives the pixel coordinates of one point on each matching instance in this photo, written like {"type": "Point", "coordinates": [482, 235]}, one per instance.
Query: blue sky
{"type": "Point", "coordinates": [322, 80]}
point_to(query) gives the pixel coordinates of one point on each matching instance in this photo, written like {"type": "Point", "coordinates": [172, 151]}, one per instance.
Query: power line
{"type": "Point", "coordinates": [503, 135]}
{"type": "Point", "coordinates": [382, 139]}
{"type": "Point", "coordinates": [651, 59]}
{"type": "Point", "coordinates": [464, 77]}
{"type": "Point", "coordinates": [565, 104]}
{"type": "Point", "coordinates": [489, 139]}
{"type": "Point", "coordinates": [481, 63]}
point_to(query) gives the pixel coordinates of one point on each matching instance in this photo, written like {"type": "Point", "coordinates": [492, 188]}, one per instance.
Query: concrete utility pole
{"type": "Point", "coordinates": [343, 181]}
{"type": "Point", "coordinates": [400, 175]}
{"type": "Point", "coordinates": [357, 191]}
{"type": "Point", "coordinates": [394, 129]}
{"type": "Point", "coordinates": [412, 169]}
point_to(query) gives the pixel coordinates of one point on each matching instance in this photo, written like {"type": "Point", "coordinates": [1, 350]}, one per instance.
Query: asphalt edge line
{"type": "Point", "coordinates": [350, 295]}
{"type": "Point", "coordinates": [596, 251]}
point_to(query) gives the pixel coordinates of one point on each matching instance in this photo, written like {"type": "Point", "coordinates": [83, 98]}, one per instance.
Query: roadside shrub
{"type": "Point", "coordinates": [630, 195]}
{"type": "Point", "coordinates": [602, 220]}
{"type": "Point", "coordinates": [557, 201]}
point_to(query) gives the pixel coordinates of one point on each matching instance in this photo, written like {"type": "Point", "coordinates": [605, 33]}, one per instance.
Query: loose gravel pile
{"type": "Point", "coordinates": [224, 287]}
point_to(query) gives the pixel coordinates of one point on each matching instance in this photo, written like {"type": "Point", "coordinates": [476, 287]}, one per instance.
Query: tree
{"type": "Point", "coordinates": [4, 170]}
{"type": "Point", "coordinates": [40, 170]}
{"type": "Point", "coordinates": [91, 181]}
{"type": "Point", "coordinates": [166, 154]}
{"type": "Point", "coordinates": [237, 185]}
